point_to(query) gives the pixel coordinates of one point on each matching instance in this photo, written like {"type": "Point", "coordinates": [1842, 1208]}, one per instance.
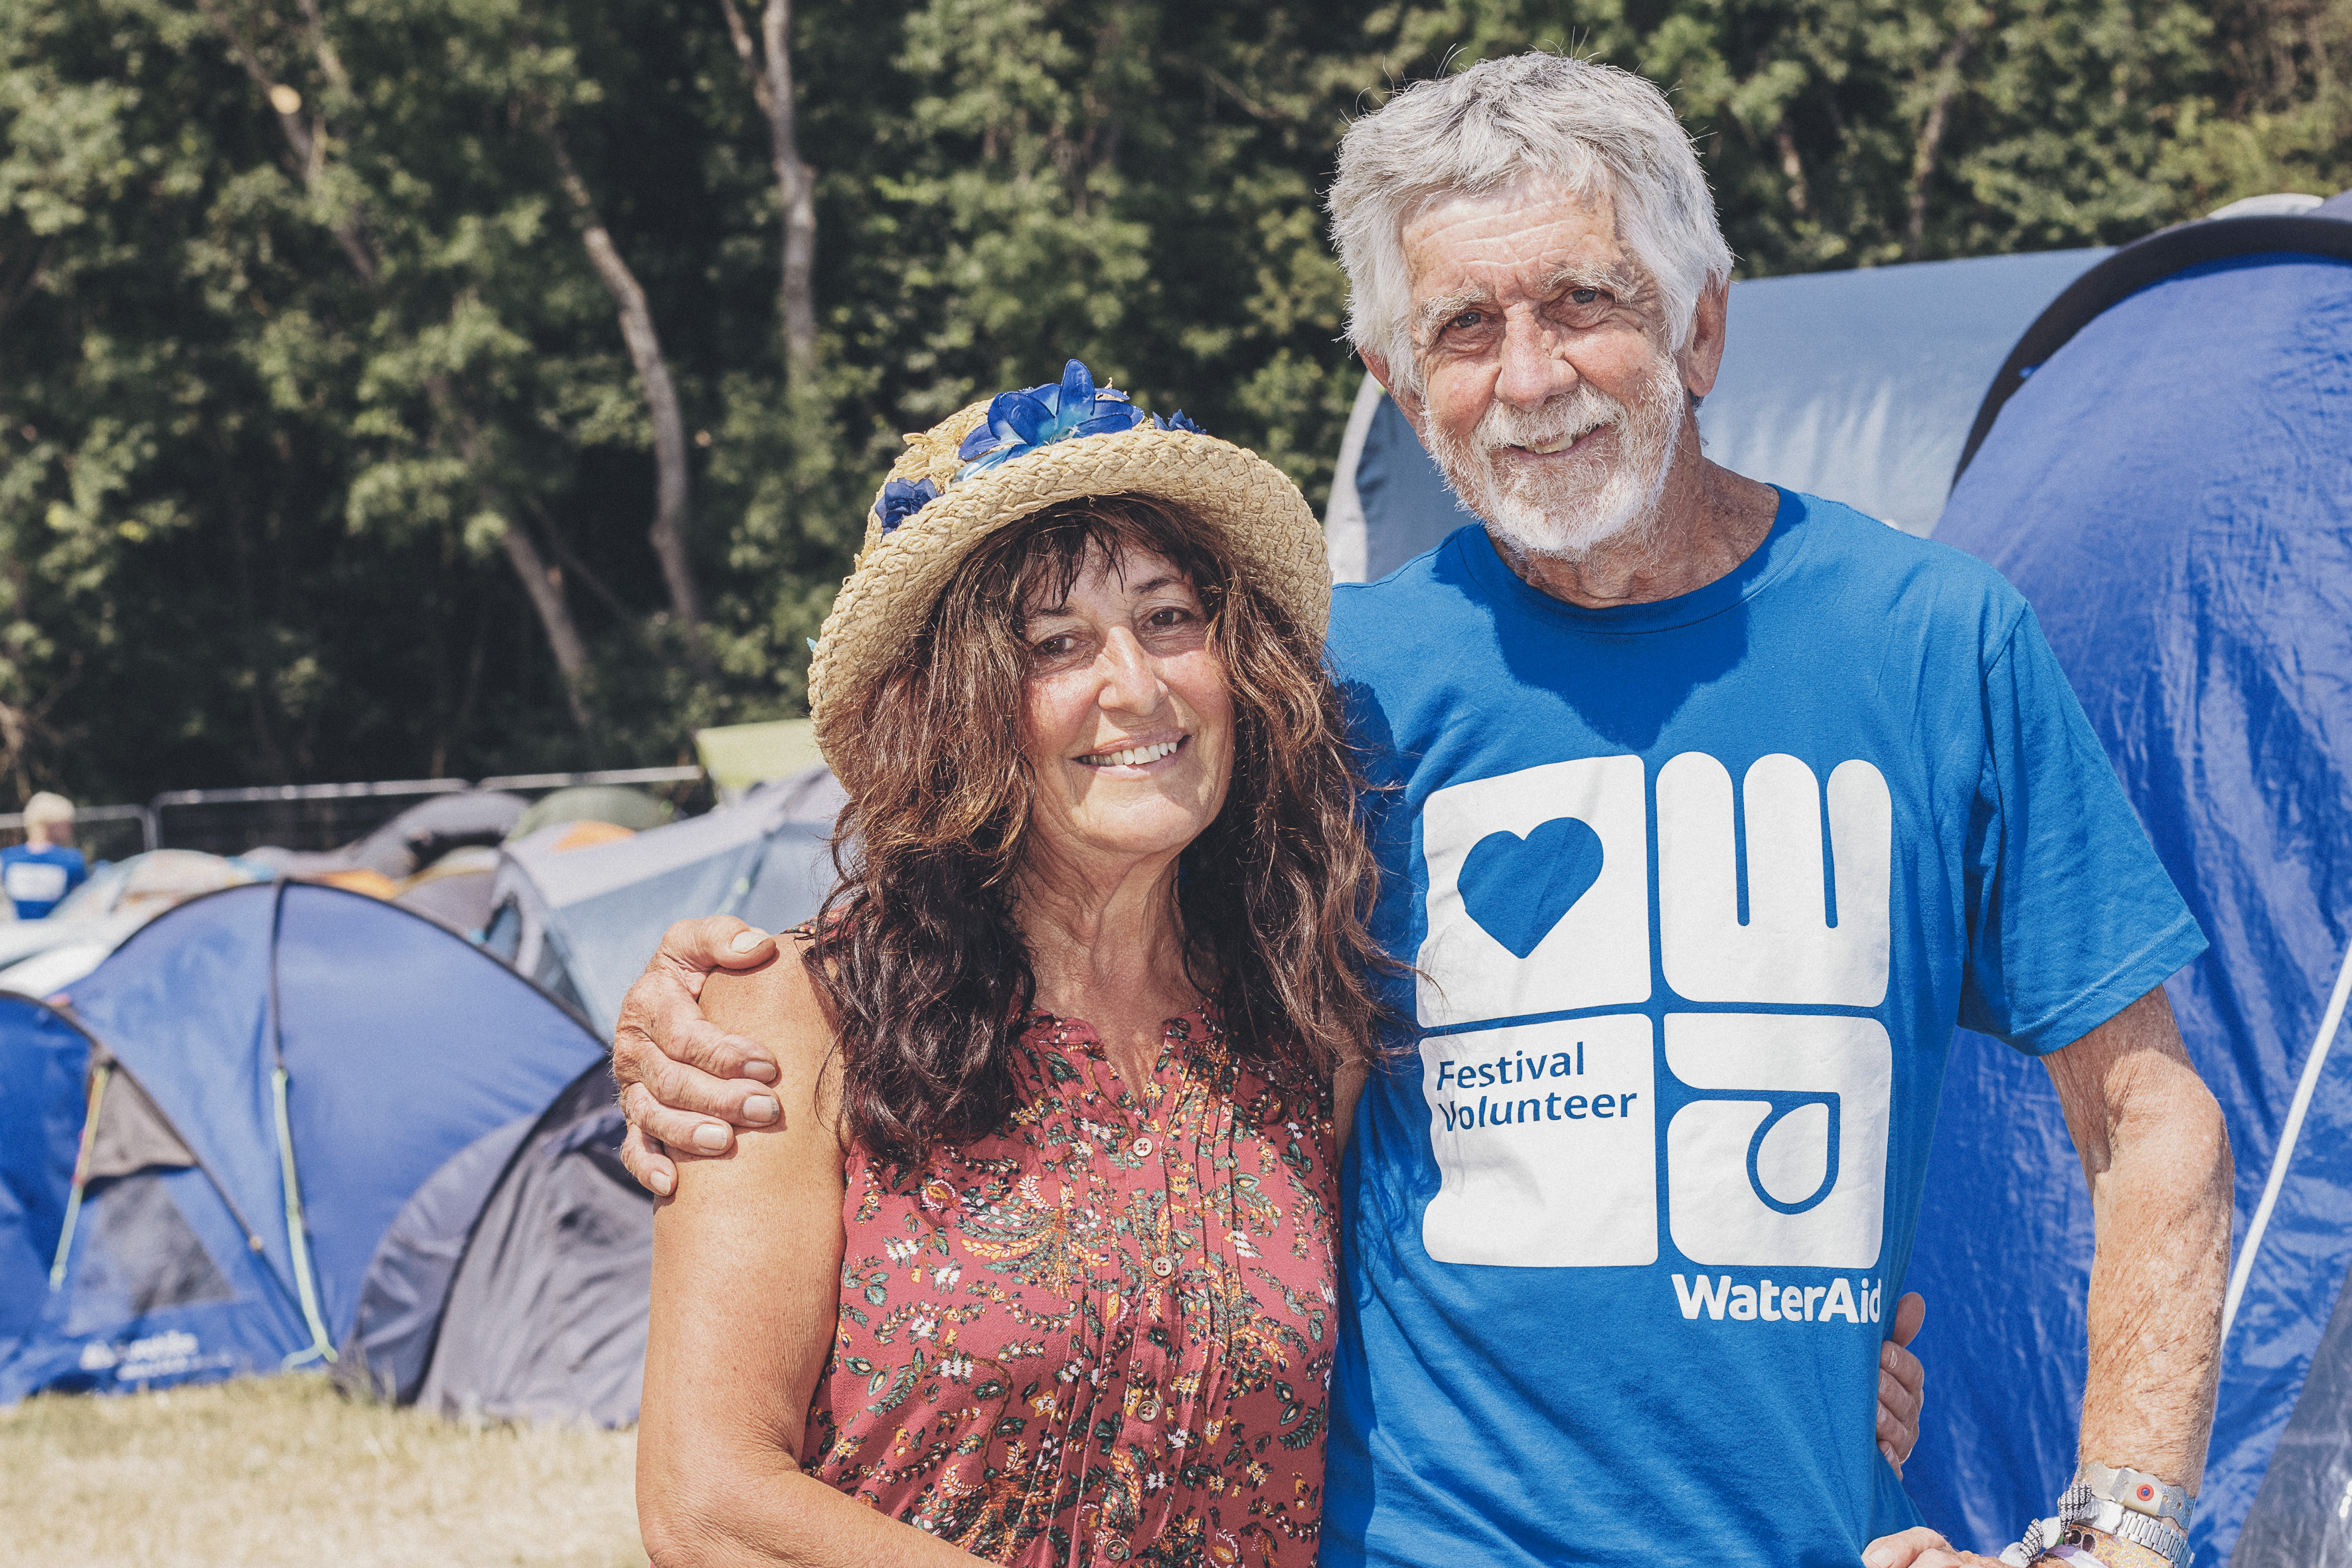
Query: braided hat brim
{"type": "Point", "coordinates": [1275, 540]}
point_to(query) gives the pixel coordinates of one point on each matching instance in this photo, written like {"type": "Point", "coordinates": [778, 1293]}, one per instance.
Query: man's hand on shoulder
{"type": "Point", "coordinates": [686, 1084]}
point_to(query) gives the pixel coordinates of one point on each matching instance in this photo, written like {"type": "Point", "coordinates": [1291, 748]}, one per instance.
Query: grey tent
{"type": "Point", "coordinates": [581, 923]}
{"type": "Point", "coordinates": [414, 839]}
{"type": "Point", "coordinates": [514, 1283]}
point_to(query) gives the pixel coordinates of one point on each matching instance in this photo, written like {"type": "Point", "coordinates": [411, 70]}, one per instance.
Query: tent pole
{"type": "Point", "coordinates": [2287, 1136]}
{"type": "Point", "coordinates": [97, 1077]}
{"type": "Point", "coordinates": [297, 1235]}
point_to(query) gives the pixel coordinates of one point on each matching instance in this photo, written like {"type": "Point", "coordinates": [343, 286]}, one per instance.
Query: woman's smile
{"type": "Point", "coordinates": [1134, 756]}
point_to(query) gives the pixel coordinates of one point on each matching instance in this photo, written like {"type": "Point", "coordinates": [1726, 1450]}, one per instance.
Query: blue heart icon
{"type": "Point", "coordinates": [1518, 888]}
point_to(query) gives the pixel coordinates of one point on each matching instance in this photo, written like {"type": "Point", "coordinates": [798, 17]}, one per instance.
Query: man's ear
{"type": "Point", "coordinates": [1411, 407]}
{"type": "Point", "coordinates": [1702, 358]}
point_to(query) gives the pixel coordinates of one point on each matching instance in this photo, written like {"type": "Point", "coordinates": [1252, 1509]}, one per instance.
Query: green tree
{"type": "Point", "coordinates": [400, 387]}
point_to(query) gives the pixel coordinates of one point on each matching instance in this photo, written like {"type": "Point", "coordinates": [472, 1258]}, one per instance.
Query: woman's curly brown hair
{"type": "Point", "coordinates": [917, 950]}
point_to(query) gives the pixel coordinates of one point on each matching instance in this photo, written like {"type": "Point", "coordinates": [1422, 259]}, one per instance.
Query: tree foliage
{"type": "Point", "coordinates": [415, 387]}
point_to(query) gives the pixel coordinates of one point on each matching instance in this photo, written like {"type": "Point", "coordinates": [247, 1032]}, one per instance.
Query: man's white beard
{"type": "Point", "coordinates": [1567, 510]}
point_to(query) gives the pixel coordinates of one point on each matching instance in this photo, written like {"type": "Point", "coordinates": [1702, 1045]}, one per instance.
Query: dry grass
{"type": "Point", "coordinates": [285, 1470]}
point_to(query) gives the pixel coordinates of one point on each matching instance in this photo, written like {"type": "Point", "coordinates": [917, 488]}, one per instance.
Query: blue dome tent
{"type": "Point", "coordinates": [206, 1147]}
{"type": "Point", "coordinates": [2164, 467]}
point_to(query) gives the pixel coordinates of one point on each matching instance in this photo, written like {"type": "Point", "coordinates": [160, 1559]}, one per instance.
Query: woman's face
{"type": "Point", "coordinates": [1130, 724]}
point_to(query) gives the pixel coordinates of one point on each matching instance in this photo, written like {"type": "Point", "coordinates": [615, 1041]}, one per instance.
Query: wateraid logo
{"type": "Point", "coordinates": [1858, 1301]}
{"type": "Point", "coordinates": [1546, 1134]}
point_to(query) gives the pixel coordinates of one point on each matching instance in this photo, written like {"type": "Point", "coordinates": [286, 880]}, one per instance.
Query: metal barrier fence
{"type": "Point", "coordinates": [301, 816]}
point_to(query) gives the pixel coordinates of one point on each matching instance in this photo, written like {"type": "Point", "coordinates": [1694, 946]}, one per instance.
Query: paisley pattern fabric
{"type": "Point", "coordinates": [1103, 1333]}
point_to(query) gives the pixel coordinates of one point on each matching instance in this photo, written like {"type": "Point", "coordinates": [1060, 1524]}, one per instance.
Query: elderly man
{"type": "Point", "coordinates": [1709, 808]}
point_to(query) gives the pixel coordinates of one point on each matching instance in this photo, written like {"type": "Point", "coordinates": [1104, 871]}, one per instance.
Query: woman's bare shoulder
{"type": "Point", "coordinates": [776, 1003]}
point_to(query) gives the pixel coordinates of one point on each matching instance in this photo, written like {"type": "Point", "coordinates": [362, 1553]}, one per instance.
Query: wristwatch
{"type": "Point", "coordinates": [2141, 1530]}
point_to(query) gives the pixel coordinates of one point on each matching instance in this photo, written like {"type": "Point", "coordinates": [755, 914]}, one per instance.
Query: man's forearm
{"type": "Point", "coordinates": [2157, 1156]}
{"type": "Point", "coordinates": [2155, 1302]}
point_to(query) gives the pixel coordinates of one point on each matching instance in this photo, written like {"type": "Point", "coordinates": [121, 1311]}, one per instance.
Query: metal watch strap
{"type": "Point", "coordinates": [2110, 1518]}
{"type": "Point", "coordinates": [2138, 1491]}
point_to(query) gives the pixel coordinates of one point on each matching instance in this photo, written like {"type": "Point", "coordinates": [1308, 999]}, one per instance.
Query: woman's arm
{"type": "Point", "coordinates": [746, 1297]}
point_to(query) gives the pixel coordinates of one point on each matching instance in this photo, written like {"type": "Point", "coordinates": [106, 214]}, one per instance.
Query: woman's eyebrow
{"type": "Point", "coordinates": [1167, 579]}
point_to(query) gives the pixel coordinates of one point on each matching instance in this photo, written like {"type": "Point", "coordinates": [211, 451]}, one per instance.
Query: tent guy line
{"type": "Point", "coordinates": [2312, 1063]}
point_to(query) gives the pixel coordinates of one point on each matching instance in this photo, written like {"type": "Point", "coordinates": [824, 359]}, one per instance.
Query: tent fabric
{"type": "Point", "coordinates": [1858, 386]}
{"type": "Point", "coordinates": [43, 1058]}
{"type": "Point", "coordinates": [410, 841]}
{"type": "Point", "coordinates": [37, 957]}
{"type": "Point", "coordinates": [615, 805]}
{"type": "Point", "coordinates": [408, 1280]}
{"type": "Point", "coordinates": [2301, 1518]}
{"type": "Point", "coordinates": [2169, 490]}
{"type": "Point", "coordinates": [546, 1318]}
{"type": "Point", "coordinates": [400, 1045]}
{"type": "Point", "coordinates": [2151, 260]}
{"type": "Point", "coordinates": [582, 922]}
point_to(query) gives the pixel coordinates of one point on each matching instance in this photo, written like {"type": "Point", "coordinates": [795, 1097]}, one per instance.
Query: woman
{"type": "Point", "coordinates": [1040, 1266]}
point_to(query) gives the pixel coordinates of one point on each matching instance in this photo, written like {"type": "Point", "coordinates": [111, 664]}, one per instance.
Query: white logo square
{"type": "Point", "coordinates": [1546, 1140]}
{"type": "Point", "coordinates": [1539, 894]}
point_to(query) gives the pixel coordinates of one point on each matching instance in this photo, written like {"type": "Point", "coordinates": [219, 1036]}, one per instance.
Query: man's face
{"type": "Point", "coordinates": [1549, 397]}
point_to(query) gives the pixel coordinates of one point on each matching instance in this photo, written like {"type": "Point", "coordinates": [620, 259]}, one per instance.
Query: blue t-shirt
{"type": "Point", "coordinates": [36, 880]}
{"type": "Point", "coordinates": [1697, 890]}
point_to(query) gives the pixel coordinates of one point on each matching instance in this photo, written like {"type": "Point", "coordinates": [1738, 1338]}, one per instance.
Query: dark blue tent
{"type": "Point", "coordinates": [2166, 472]}
{"type": "Point", "coordinates": [207, 1145]}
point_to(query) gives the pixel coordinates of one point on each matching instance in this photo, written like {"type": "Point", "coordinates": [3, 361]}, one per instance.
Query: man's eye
{"type": "Point", "coordinates": [1467, 319]}
{"type": "Point", "coordinates": [1582, 296]}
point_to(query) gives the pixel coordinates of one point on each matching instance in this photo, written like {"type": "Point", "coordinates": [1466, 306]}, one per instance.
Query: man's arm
{"type": "Point", "coordinates": [686, 1083]}
{"type": "Point", "coordinates": [2157, 1155]}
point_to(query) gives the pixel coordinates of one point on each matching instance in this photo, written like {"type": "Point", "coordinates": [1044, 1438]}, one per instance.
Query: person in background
{"type": "Point", "coordinates": [38, 873]}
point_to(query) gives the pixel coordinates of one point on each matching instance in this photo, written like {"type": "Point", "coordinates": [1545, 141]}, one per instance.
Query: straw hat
{"type": "Point", "coordinates": [994, 463]}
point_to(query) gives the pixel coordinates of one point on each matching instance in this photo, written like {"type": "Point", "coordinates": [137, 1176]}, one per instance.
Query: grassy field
{"type": "Point", "coordinates": [276, 1470]}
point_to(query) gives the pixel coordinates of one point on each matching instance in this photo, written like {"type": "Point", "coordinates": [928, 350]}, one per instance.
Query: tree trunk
{"type": "Point", "coordinates": [1931, 147]}
{"type": "Point", "coordinates": [546, 591]}
{"type": "Point", "coordinates": [770, 68]}
{"type": "Point", "coordinates": [670, 492]}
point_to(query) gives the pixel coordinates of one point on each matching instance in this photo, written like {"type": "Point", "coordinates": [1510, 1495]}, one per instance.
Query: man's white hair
{"type": "Point", "coordinates": [1600, 130]}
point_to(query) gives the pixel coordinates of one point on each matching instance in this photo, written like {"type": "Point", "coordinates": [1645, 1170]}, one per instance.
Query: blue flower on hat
{"type": "Point", "coordinates": [1020, 422]}
{"type": "Point", "coordinates": [1177, 421]}
{"type": "Point", "coordinates": [901, 500]}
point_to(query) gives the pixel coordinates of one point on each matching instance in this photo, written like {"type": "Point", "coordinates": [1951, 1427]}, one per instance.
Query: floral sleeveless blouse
{"type": "Point", "coordinates": [1103, 1333]}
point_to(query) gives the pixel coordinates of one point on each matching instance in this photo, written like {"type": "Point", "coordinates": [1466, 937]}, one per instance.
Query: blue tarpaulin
{"type": "Point", "coordinates": [2172, 490]}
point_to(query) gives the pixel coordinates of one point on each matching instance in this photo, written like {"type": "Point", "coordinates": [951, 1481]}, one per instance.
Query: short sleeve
{"type": "Point", "coordinates": [2072, 917]}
